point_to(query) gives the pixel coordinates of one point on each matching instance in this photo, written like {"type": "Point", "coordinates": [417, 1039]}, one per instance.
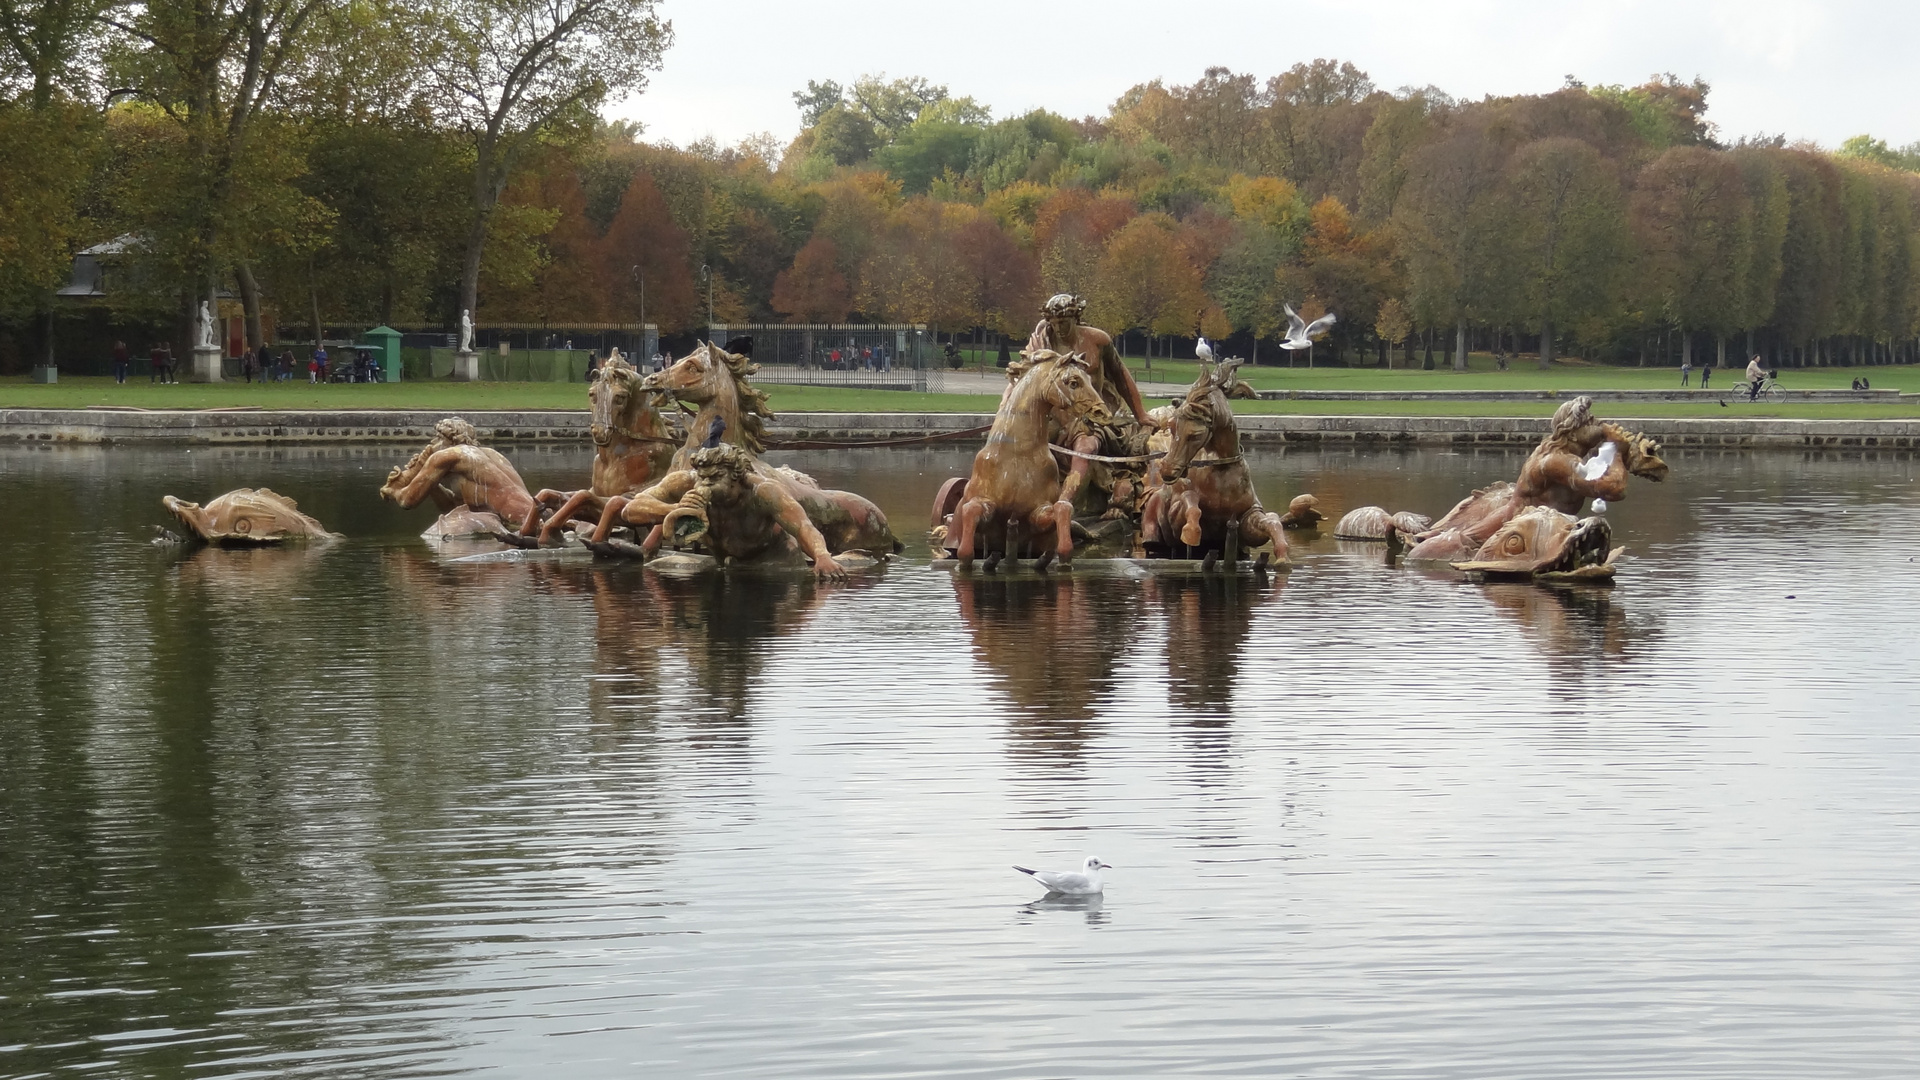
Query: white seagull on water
{"type": "Point", "coordinates": [1300, 332]}
{"type": "Point", "coordinates": [1068, 883]}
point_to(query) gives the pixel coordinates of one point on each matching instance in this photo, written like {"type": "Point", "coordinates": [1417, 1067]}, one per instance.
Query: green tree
{"type": "Point", "coordinates": [509, 73]}
{"type": "Point", "coordinates": [1565, 236]}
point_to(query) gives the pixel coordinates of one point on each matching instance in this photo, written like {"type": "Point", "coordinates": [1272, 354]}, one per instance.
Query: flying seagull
{"type": "Point", "coordinates": [1067, 883]}
{"type": "Point", "coordinates": [1203, 350]}
{"type": "Point", "coordinates": [1300, 333]}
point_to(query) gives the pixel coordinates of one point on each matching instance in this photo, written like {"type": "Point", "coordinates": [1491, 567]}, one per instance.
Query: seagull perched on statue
{"type": "Point", "coordinates": [1596, 466]}
{"type": "Point", "coordinates": [1068, 883]}
{"type": "Point", "coordinates": [1204, 351]}
{"type": "Point", "coordinates": [1300, 333]}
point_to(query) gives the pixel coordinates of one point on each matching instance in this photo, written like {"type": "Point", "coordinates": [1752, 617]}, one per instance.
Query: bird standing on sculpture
{"type": "Point", "coordinates": [1204, 351]}
{"type": "Point", "coordinates": [1300, 333]}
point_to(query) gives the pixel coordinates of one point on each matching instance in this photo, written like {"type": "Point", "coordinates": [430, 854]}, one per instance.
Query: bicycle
{"type": "Point", "coordinates": [1769, 391]}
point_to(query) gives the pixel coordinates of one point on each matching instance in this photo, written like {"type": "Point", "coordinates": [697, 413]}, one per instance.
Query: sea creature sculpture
{"type": "Point", "coordinates": [247, 517]}
{"type": "Point", "coordinates": [1579, 459]}
{"type": "Point", "coordinates": [634, 446]}
{"type": "Point", "coordinates": [1015, 481]}
{"type": "Point", "coordinates": [1206, 501]}
{"type": "Point", "coordinates": [1545, 544]}
{"type": "Point", "coordinates": [454, 470]}
{"type": "Point", "coordinates": [1302, 513]}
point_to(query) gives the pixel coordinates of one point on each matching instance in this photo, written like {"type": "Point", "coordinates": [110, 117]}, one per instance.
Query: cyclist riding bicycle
{"type": "Point", "coordinates": [1756, 375]}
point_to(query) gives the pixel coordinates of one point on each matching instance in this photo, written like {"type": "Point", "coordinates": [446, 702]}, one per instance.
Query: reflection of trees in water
{"type": "Point", "coordinates": [1051, 645]}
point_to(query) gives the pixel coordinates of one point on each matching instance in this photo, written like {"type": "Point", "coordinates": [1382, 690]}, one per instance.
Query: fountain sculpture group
{"type": "Point", "coordinates": [1063, 474]}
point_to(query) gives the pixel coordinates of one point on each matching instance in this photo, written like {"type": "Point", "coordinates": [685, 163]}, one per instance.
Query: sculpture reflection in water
{"type": "Point", "coordinates": [1208, 620]}
{"type": "Point", "coordinates": [1052, 646]}
{"type": "Point", "coordinates": [685, 649]}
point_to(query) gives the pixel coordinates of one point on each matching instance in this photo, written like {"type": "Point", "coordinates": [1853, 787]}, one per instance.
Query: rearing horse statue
{"type": "Point", "coordinates": [716, 381]}
{"type": "Point", "coordinates": [634, 445]}
{"type": "Point", "coordinates": [1015, 479]}
{"type": "Point", "coordinates": [1205, 497]}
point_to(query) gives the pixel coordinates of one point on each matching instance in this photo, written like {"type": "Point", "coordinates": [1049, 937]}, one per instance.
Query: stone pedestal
{"type": "Point", "coordinates": [466, 366]}
{"type": "Point", "coordinates": [46, 373]}
{"type": "Point", "coordinates": [206, 364]}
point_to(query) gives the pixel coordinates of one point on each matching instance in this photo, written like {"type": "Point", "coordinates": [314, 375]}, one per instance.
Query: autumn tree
{"type": "Point", "coordinates": [1564, 236]}
{"type": "Point", "coordinates": [646, 260]}
{"type": "Point", "coordinates": [1145, 281]}
{"type": "Point", "coordinates": [506, 73]}
{"type": "Point", "coordinates": [813, 290]}
{"type": "Point", "coordinates": [1444, 217]}
{"type": "Point", "coordinates": [1691, 212]}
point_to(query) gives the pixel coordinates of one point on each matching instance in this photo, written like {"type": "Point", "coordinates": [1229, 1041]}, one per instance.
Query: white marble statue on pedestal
{"type": "Point", "coordinates": [466, 330]}
{"type": "Point", "coordinates": [203, 333]}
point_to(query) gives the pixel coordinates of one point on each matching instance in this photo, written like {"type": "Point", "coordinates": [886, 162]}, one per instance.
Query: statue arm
{"type": "Point", "coordinates": [792, 517]}
{"type": "Point", "coordinates": [658, 501]}
{"type": "Point", "coordinates": [1122, 379]}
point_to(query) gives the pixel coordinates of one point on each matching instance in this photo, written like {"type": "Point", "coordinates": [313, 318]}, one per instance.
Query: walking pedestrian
{"type": "Point", "coordinates": [156, 363]}
{"type": "Point", "coordinates": [120, 360]}
{"type": "Point", "coordinates": [167, 372]}
{"type": "Point", "coordinates": [1705, 374]}
{"type": "Point", "coordinates": [1686, 369]}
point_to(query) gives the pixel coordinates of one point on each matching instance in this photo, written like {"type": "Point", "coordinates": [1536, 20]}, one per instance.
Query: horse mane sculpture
{"type": "Point", "coordinates": [1015, 480]}
{"type": "Point", "coordinates": [634, 446]}
{"type": "Point", "coordinates": [455, 471]}
{"type": "Point", "coordinates": [718, 382]}
{"type": "Point", "coordinates": [732, 414]}
{"type": "Point", "coordinates": [1205, 497]}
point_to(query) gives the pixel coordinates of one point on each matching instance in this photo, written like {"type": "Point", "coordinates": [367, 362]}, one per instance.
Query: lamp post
{"type": "Point", "coordinates": [641, 274]}
{"type": "Point", "coordinates": [706, 273]}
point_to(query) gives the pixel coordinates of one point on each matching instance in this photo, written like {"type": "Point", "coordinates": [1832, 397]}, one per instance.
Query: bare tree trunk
{"type": "Point", "coordinates": [1460, 346]}
{"type": "Point", "coordinates": [1720, 355]}
{"type": "Point", "coordinates": [1546, 344]}
{"type": "Point", "coordinates": [1686, 349]}
{"type": "Point", "coordinates": [249, 304]}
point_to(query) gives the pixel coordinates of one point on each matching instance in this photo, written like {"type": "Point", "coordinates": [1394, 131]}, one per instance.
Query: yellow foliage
{"type": "Point", "coordinates": [1268, 201]}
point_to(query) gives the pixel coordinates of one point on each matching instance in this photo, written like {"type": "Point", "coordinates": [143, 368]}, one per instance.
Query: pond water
{"type": "Point", "coordinates": [351, 811]}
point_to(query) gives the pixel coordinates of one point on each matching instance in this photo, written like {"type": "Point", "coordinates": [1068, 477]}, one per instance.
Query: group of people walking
{"type": "Point", "coordinates": [260, 364]}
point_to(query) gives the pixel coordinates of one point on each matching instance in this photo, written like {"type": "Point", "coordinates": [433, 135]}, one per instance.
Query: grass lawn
{"type": "Point", "coordinates": [1526, 375]}
{"type": "Point", "coordinates": [451, 398]}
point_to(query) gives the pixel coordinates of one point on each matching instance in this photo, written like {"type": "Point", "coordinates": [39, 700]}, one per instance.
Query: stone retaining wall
{"type": "Point", "coordinates": [416, 426]}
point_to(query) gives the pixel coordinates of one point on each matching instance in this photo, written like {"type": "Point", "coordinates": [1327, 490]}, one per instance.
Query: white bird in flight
{"type": "Point", "coordinates": [1300, 333]}
{"type": "Point", "coordinates": [1203, 350]}
{"type": "Point", "coordinates": [1068, 883]}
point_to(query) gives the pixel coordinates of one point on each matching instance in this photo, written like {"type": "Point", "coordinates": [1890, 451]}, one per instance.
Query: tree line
{"type": "Point", "coordinates": [357, 161]}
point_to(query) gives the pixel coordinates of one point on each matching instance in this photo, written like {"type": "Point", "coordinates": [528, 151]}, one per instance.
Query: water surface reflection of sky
{"type": "Point", "coordinates": [350, 811]}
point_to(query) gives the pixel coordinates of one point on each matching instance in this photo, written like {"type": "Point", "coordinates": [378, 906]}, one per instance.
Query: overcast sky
{"type": "Point", "coordinates": [1806, 69]}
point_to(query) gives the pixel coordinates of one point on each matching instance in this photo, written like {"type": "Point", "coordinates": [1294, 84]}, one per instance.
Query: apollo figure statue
{"type": "Point", "coordinates": [466, 330]}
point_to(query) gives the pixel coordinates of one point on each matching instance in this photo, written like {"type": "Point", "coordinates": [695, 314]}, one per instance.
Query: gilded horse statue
{"type": "Point", "coordinates": [731, 411]}
{"type": "Point", "coordinates": [1205, 498]}
{"type": "Point", "coordinates": [1015, 480]}
{"type": "Point", "coordinates": [634, 444]}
